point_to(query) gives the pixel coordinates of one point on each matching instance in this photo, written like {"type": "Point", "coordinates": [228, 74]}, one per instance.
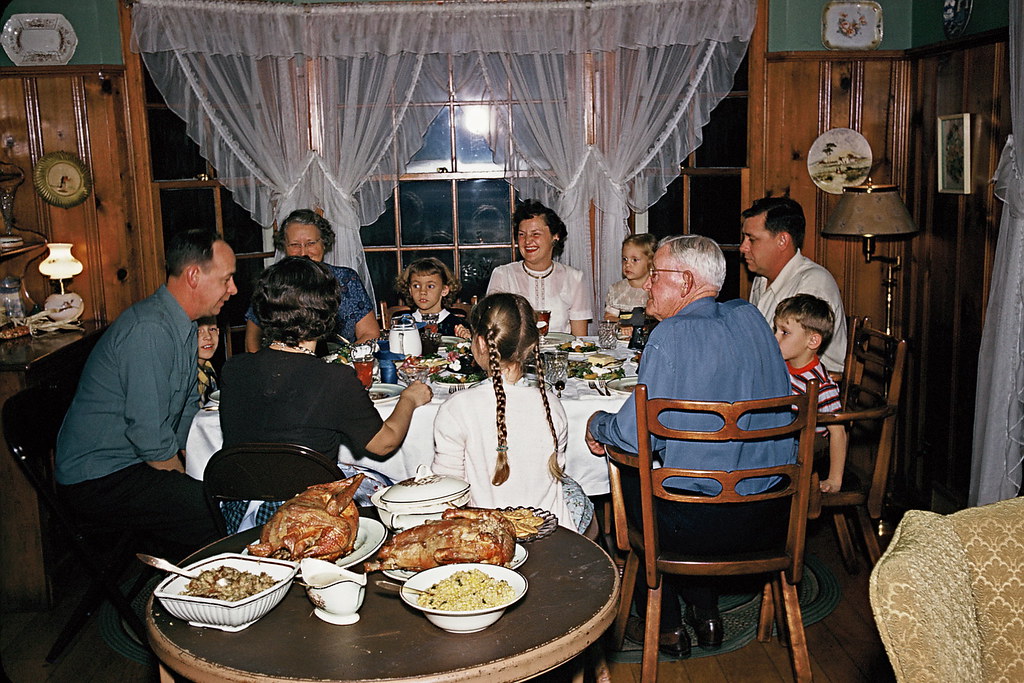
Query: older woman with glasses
{"type": "Point", "coordinates": [304, 233]}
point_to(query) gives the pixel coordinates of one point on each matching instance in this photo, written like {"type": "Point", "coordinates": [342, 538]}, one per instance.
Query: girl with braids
{"type": "Point", "coordinates": [503, 436]}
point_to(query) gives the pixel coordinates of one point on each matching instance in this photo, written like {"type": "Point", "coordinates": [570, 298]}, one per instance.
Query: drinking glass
{"type": "Point", "coordinates": [364, 371]}
{"type": "Point", "coordinates": [543, 320]}
{"type": "Point", "coordinates": [607, 334]}
{"type": "Point", "coordinates": [556, 366]}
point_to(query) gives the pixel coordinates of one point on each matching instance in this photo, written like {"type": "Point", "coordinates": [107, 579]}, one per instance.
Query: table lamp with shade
{"type": "Point", "coordinates": [869, 211]}
{"type": "Point", "coordinates": [61, 265]}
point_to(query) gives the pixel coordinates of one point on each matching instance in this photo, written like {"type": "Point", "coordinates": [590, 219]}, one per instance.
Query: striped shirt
{"type": "Point", "coordinates": [828, 392]}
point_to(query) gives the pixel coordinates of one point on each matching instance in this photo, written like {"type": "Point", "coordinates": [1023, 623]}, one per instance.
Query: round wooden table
{"type": "Point", "coordinates": [570, 603]}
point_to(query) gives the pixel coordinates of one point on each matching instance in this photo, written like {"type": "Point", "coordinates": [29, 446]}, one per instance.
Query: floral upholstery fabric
{"type": "Point", "coordinates": [948, 595]}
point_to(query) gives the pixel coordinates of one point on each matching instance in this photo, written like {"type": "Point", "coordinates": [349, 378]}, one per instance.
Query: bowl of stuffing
{"type": "Point", "coordinates": [232, 592]}
{"type": "Point", "coordinates": [464, 598]}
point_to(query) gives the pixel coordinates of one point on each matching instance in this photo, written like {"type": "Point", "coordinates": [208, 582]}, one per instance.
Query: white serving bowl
{"type": "Point", "coordinates": [469, 621]}
{"type": "Point", "coordinates": [221, 614]}
{"type": "Point", "coordinates": [420, 498]}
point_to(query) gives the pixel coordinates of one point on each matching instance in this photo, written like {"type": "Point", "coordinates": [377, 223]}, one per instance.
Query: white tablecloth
{"type": "Point", "coordinates": [579, 401]}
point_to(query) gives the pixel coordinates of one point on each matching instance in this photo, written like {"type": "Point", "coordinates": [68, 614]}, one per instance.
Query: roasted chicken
{"type": "Point", "coordinates": [462, 535]}
{"type": "Point", "coordinates": [321, 522]}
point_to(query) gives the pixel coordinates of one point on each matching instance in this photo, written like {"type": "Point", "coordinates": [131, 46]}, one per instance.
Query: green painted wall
{"type": "Point", "coordinates": [94, 21]}
{"type": "Point", "coordinates": [794, 24]}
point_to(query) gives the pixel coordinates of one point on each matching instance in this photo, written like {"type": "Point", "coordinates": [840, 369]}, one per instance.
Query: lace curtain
{"type": "Point", "coordinates": [999, 407]}
{"type": "Point", "coordinates": [323, 104]}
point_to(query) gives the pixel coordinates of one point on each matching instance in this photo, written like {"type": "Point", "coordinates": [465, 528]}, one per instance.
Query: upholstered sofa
{"type": "Point", "coordinates": [948, 595]}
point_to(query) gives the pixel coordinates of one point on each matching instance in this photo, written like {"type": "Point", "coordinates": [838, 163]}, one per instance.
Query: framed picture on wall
{"type": "Point", "coordinates": [954, 132]}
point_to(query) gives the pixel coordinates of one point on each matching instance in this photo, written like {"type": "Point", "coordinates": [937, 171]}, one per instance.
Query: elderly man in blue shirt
{"type": "Point", "coordinates": [119, 449]}
{"type": "Point", "coordinates": [709, 351]}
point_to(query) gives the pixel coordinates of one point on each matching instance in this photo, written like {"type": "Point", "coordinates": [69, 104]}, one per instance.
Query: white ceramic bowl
{"type": "Point", "coordinates": [221, 614]}
{"type": "Point", "coordinates": [469, 621]}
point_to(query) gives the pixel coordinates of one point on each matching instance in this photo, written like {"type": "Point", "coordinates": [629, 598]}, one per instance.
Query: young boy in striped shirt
{"type": "Point", "coordinates": [803, 324]}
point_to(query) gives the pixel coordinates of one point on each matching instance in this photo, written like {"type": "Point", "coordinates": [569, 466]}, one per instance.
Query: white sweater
{"type": "Point", "coordinates": [466, 438]}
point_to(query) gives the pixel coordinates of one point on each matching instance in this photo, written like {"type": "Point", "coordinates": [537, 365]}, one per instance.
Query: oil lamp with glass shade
{"type": "Point", "coordinates": [61, 265]}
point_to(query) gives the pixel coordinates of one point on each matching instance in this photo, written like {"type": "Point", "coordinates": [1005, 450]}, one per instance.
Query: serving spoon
{"type": "Point", "coordinates": [397, 587]}
{"type": "Point", "coordinates": [161, 563]}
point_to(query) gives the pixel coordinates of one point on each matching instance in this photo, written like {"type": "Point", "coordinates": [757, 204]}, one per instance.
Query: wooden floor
{"type": "Point", "coordinates": [843, 647]}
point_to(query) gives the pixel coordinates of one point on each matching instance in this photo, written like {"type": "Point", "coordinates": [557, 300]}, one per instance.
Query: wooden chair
{"type": "Point", "coordinates": [870, 394]}
{"type": "Point", "coordinates": [31, 421]}
{"type": "Point", "coordinates": [385, 311]}
{"type": "Point", "coordinates": [264, 471]}
{"type": "Point", "coordinates": [784, 566]}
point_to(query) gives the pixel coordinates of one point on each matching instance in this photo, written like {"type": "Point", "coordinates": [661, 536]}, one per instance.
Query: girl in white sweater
{"type": "Point", "coordinates": [503, 436]}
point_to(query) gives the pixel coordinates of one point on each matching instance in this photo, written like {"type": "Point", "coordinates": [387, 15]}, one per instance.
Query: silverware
{"type": "Point", "coordinates": [559, 385]}
{"type": "Point", "coordinates": [166, 566]}
{"type": "Point", "coordinates": [397, 587]}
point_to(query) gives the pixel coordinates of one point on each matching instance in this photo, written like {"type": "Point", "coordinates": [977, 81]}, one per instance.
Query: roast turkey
{"type": "Point", "coordinates": [461, 535]}
{"type": "Point", "coordinates": [321, 522]}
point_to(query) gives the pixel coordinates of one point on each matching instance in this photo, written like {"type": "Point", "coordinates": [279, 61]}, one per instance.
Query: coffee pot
{"type": "Point", "coordinates": [404, 337]}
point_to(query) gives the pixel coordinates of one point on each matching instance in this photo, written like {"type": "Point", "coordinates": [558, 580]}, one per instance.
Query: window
{"type": "Point", "coordinates": [453, 202]}
{"type": "Point", "coordinates": [707, 197]}
{"type": "Point", "coordinates": [190, 196]}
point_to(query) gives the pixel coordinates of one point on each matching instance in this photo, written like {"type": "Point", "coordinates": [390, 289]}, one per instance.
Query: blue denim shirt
{"type": "Point", "coordinates": [709, 351]}
{"type": "Point", "coordinates": [137, 395]}
{"type": "Point", "coordinates": [355, 302]}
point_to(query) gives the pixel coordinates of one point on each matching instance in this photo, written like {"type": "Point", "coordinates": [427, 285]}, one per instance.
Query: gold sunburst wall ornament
{"type": "Point", "coordinates": [62, 179]}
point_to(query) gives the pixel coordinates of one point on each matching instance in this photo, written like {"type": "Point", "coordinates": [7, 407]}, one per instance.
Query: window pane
{"type": "Point", "coordinates": [173, 153]}
{"type": "Point", "coordinates": [715, 207]}
{"type": "Point", "coordinates": [475, 266]}
{"type": "Point", "coordinates": [665, 217]}
{"type": "Point", "coordinates": [725, 135]}
{"type": "Point", "coordinates": [731, 286]}
{"type": "Point", "coordinates": [446, 256]}
{"type": "Point", "coordinates": [474, 126]}
{"type": "Point", "coordinates": [185, 209]}
{"type": "Point", "coordinates": [436, 151]}
{"type": "Point", "coordinates": [240, 231]}
{"type": "Point", "coordinates": [739, 82]}
{"type": "Point", "coordinates": [484, 213]}
{"type": "Point", "coordinates": [426, 212]}
{"type": "Point", "coordinates": [383, 267]}
{"type": "Point", "coordinates": [381, 233]}
{"type": "Point", "coordinates": [247, 271]}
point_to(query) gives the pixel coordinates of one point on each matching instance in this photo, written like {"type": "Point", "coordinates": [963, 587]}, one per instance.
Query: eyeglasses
{"type": "Point", "coordinates": [300, 245]}
{"type": "Point", "coordinates": [654, 272]}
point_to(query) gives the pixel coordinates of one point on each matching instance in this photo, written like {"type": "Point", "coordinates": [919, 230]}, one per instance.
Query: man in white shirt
{"type": "Point", "coordinates": [773, 232]}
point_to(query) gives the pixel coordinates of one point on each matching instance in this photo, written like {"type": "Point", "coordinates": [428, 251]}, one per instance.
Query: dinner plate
{"type": "Point", "coordinates": [622, 385]}
{"type": "Point", "coordinates": [382, 393]}
{"type": "Point", "coordinates": [369, 539]}
{"type": "Point", "coordinates": [555, 338]}
{"type": "Point", "coordinates": [546, 528]}
{"type": "Point", "coordinates": [404, 575]}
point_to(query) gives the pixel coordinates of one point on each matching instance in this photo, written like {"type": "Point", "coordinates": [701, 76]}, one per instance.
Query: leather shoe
{"type": "Point", "coordinates": [672, 643]}
{"type": "Point", "coordinates": [707, 625]}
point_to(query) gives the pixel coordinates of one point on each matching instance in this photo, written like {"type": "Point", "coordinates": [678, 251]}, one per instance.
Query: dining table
{"type": "Point", "coordinates": [579, 398]}
{"type": "Point", "coordinates": [570, 602]}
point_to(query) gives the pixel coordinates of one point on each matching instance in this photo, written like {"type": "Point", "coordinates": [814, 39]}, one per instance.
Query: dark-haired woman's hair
{"type": "Point", "coordinates": [428, 266]}
{"type": "Point", "coordinates": [297, 300]}
{"type": "Point", "coordinates": [305, 217]}
{"type": "Point", "coordinates": [531, 208]}
{"type": "Point", "coordinates": [508, 325]}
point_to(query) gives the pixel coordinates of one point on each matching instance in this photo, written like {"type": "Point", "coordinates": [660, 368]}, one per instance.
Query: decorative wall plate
{"type": "Point", "coordinates": [955, 16]}
{"type": "Point", "coordinates": [35, 39]}
{"type": "Point", "coordinates": [851, 25]}
{"type": "Point", "coordinates": [839, 157]}
{"type": "Point", "coordinates": [62, 179]}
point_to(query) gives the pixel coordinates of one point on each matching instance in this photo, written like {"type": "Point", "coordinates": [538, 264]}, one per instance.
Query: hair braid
{"type": "Point", "coordinates": [501, 469]}
{"type": "Point", "coordinates": [553, 467]}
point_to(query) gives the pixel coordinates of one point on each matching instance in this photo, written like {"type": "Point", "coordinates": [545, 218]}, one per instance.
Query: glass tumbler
{"type": "Point", "coordinates": [607, 334]}
{"type": "Point", "coordinates": [556, 366]}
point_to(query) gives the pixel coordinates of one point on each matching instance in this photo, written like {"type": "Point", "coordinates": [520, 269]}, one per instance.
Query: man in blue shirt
{"type": "Point", "coordinates": [708, 351]}
{"type": "Point", "coordinates": [119, 450]}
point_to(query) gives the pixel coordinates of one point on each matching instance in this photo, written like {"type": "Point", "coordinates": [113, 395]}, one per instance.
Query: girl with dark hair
{"type": "Point", "coordinates": [548, 286]}
{"type": "Point", "coordinates": [283, 393]}
{"type": "Point", "coordinates": [428, 285]}
{"type": "Point", "coordinates": [505, 436]}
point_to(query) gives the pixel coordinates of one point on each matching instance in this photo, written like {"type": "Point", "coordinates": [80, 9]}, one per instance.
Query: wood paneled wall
{"type": "Point", "coordinates": [80, 110]}
{"type": "Point", "coordinates": [893, 98]}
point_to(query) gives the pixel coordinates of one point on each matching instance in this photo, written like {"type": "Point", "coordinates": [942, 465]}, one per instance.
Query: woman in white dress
{"type": "Point", "coordinates": [546, 284]}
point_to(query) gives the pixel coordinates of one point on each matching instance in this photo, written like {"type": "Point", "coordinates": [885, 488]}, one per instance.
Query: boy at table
{"type": "Point", "coordinates": [803, 325]}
